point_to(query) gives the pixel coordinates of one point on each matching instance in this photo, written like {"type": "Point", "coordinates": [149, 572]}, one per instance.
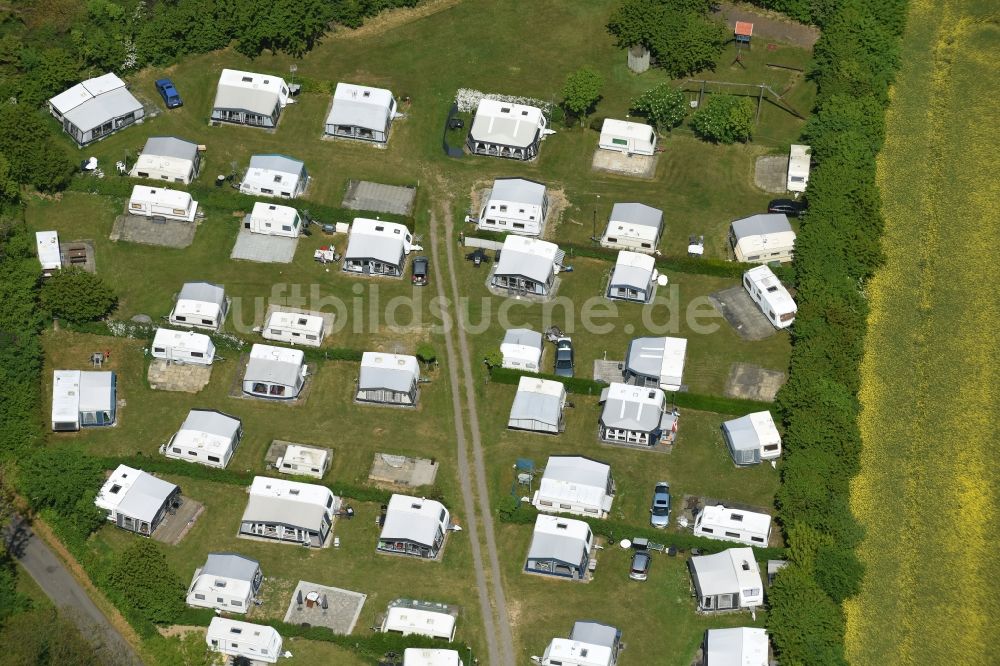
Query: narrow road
{"type": "Point", "coordinates": [67, 595]}
{"type": "Point", "coordinates": [500, 649]}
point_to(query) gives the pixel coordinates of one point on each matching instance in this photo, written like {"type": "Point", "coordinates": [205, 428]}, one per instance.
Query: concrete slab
{"type": "Point", "coordinates": [341, 614]}
{"type": "Point", "coordinates": [742, 313]}
{"type": "Point", "coordinates": [263, 248]}
{"type": "Point", "coordinates": [752, 382]}
{"type": "Point", "coordinates": [175, 526]}
{"type": "Point", "coordinates": [166, 376]}
{"type": "Point", "coordinates": [79, 254]}
{"type": "Point", "coordinates": [771, 173]}
{"type": "Point", "coordinates": [365, 195]}
{"type": "Point", "coordinates": [402, 470]}
{"type": "Point", "coordinates": [279, 446]}
{"type": "Point", "coordinates": [608, 371]}
{"type": "Point", "coordinates": [144, 230]}
{"type": "Point", "coordinates": [637, 166]}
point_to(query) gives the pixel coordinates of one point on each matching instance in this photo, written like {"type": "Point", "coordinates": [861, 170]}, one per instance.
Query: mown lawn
{"type": "Point", "coordinates": [927, 491]}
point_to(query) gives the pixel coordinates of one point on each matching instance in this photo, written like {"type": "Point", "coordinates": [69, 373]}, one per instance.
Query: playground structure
{"type": "Point", "coordinates": [760, 91]}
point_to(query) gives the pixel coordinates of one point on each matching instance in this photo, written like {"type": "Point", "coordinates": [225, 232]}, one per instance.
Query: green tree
{"type": "Point", "coordinates": [141, 577]}
{"type": "Point", "coordinates": [65, 482]}
{"type": "Point", "coordinates": [724, 119]}
{"type": "Point", "coordinates": [664, 106]}
{"type": "Point", "coordinates": [34, 154]}
{"type": "Point", "coordinates": [582, 90]}
{"type": "Point", "coordinates": [77, 296]}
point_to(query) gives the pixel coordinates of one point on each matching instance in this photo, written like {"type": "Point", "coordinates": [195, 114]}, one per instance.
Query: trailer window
{"type": "Point", "coordinates": [620, 142]}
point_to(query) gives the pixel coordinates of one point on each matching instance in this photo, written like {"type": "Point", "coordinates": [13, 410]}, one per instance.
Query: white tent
{"type": "Point", "coordinates": [628, 138]}
{"type": "Point", "coordinates": [503, 129]}
{"type": "Point", "coordinates": [724, 524]}
{"type": "Point", "coordinates": [183, 347]}
{"type": "Point", "coordinates": [527, 265]}
{"type": "Point", "coordinates": [227, 582]}
{"type": "Point", "coordinates": [200, 305]}
{"type": "Point", "coordinates": [770, 295]}
{"type": "Point", "coordinates": [736, 646]}
{"type": "Point", "coordinates": [375, 247]}
{"type": "Point", "coordinates": [247, 98]}
{"type": "Point", "coordinates": [633, 226]}
{"type": "Point", "coordinates": [577, 485]}
{"type": "Point", "coordinates": [538, 406]}
{"type": "Point", "coordinates": [47, 244]}
{"type": "Point", "coordinates": [414, 526]}
{"type": "Point", "coordinates": [656, 362]}
{"type": "Point", "coordinates": [727, 581]}
{"type": "Point", "coordinates": [161, 202]}
{"type": "Point", "coordinates": [87, 398]}
{"type": "Point", "coordinates": [633, 278]}
{"type": "Point", "coordinates": [275, 176]}
{"type": "Point", "coordinates": [521, 349]}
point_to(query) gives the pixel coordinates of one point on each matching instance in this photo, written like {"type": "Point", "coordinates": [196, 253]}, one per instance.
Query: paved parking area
{"type": "Point", "coordinates": [343, 607]}
{"type": "Point", "coordinates": [166, 233]}
{"type": "Point", "coordinates": [403, 471]}
{"type": "Point", "coordinates": [365, 195]}
{"type": "Point", "coordinates": [752, 382]}
{"type": "Point", "coordinates": [166, 376]}
{"type": "Point", "coordinates": [742, 313]}
{"type": "Point", "coordinates": [771, 173]}
{"type": "Point", "coordinates": [263, 248]}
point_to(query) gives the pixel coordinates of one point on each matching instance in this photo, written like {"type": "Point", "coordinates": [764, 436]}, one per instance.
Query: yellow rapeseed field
{"type": "Point", "coordinates": [927, 493]}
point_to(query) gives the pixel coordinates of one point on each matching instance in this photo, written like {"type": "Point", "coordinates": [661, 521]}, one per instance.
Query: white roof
{"type": "Point", "coordinates": [662, 357]}
{"type": "Point", "coordinates": [200, 298]}
{"type": "Point", "coordinates": [414, 519]}
{"type": "Point", "coordinates": [207, 430]}
{"type": "Point", "coordinates": [538, 400]}
{"type": "Point", "coordinates": [724, 573]}
{"type": "Point", "coordinates": [360, 106]}
{"type": "Point", "coordinates": [234, 571]}
{"type": "Point", "coordinates": [395, 372]}
{"type": "Point", "coordinates": [84, 91]}
{"type": "Point", "coordinates": [47, 244]}
{"type": "Point", "coordinates": [425, 657]}
{"type": "Point", "coordinates": [288, 502]}
{"type": "Point", "coordinates": [305, 455]}
{"type": "Point", "coordinates": [529, 257]}
{"type": "Point", "coordinates": [753, 431]}
{"type": "Point", "coordinates": [185, 340]}
{"type": "Point", "coordinates": [161, 196]}
{"type": "Point", "coordinates": [169, 147]}
{"type": "Point", "coordinates": [518, 190]}
{"type": "Point", "coordinates": [259, 94]}
{"type": "Point", "coordinates": [749, 521]}
{"type": "Point", "coordinates": [626, 128]}
{"type": "Point", "coordinates": [274, 213]}
{"type": "Point", "coordinates": [762, 233]}
{"type": "Point", "coordinates": [559, 538]}
{"type": "Point", "coordinates": [375, 239]}
{"type": "Point", "coordinates": [522, 343]}
{"type": "Point", "coordinates": [576, 480]}
{"type": "Point", "coordinates": [773, 291]}
{"type": "Point", "coordinates": [506, 124]}
{"type": "Point", "coordinates": [418, 621]}
{"type": "Point", "coordinates": [295, 321]}
{"type": "Point", "coordinates": [736, 646]}
{"type": "Point", "coordinates": [635, 219]}
{"type": "Point", "coordinates": [279, 365]}
{"type": "Point", "coordinates": [66, 396]}
{"type": "Point", "coordinates": [247, 634]}
{"type": "Point", "coordinates": [633, 269]}
{"type": "Point", "coordinates": [96, 390]}
{"type": "Point", "coordinates": [134, 493]}
{"type": "Point", "coordinates": [95, 102]}
{"type": "Point", "coordinates": [798, 161]}
{"type": "Point", "coordinates": [632, 407]}
{"type": "Point", "coordinates": [577, 653]}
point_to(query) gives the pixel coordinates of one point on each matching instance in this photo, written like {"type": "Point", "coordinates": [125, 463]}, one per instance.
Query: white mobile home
{"type": "Point", "coordinates": [95, 108]}
{"type": "Point", "coordinates": [577, 485]}
{"type": "Point", "coordinates": [414, 526]}
{"type": "Point", "coordinates": [183, 347]}
{"type": "Point", "coordinates": [274, 372]}
{"type": "Point", "coordinates": [752, 438]}
{"type": "Point", "coordinates": [425, 657]}
{"type": "Point", "coordinates": [635, 415]}
{"type": "Point", "coordinates": [168, 158]}
{"type": "Point", "coordinates": [294, 328]}
{"type": "Point", "coordinates": [527, 266]}
{"type": "Point", "coordinates": [538, 406]}
{"type": "Point", "coordinates": [633, 226]}
{"type": "Point", "coordinates": [503, 129]}
{"type": "Point", "coordinates": [736, 646]}
{"type": "Point", "coordinates": [515, 205]}
{"type": "Point", "coordinates": [161, 202]}
{"type": "Point", "coordinates": [227, 582]}
{"type": "Point", "coordinates": [521, 349]}
{"type": "Point", "coordinates": [275, 176]}
{"type": "Point", "coordinates": [47, 245]}
{"type": "Point", "coordinates": [304, 461]}
{"type": "Point", "coordinates": [747, 527]}
{"type": "Point", "coordinates": [590, 644]}
{"type": "Point", "coordinates": [207, 437]}
{"type": "Point", "coordinates": [233, 638]}
{"type": "Point", "coordinates": [137, 501]}
{"type": "Point", "coordinates": [246, 98]}
{"type": "Point", "coordinates": [760, 239]}
{"type": "Point", "coordinates": [273, 220]}
{"type": "Point", "coordinates": [83, 398]}
{"type": "Point", "coordinates": [409, 617]}
{"type": "Point", "coordinates": [633, 278]}
{"type": "Point", "coordinates": [200, 305]}
{"type": "Point", "coordinates": [559, 547]}
{"type": "Point", "coordinates": [799, 160]}
{"type": "Point", "coordinates": [770, 296]}
{"type": "Point", "coordinates": [361, 112]}
{"type": "Point", "coordinates": [289, 511]}
{"type": "Point", "coordinates": [729, 580]}
{"type": "Point", "coordinates": [656, 362]}
{"type": "Point", "coordinates": [389, 379]}
{"type": "Point", "coordinates": [377, 248]}
{"type": "Point", "coordinates": [628, 138]}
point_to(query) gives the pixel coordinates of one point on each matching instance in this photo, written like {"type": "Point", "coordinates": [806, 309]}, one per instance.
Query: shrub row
{"type": "Point", "coordinates": [583, 386]}
{"type": "Point", "coordinates": [836, 252]}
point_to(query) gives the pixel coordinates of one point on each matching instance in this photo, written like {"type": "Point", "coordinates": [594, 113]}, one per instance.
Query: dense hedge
{"type": "Point", "coordinates": [583, 386]}
{"type": "Point", "coordinates": [836, 252]}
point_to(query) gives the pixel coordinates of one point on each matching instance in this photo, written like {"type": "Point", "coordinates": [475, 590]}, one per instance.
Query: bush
{"type": "Point", "coordinates": [141, 578]}
{"type": "Point", "coordinates": [77, 296]}
{"type": "Point", "coordinates": [663, 106]}
{"type": "Point", "coordinates": [65, 481]}
{"type": "Point", "coordinates": [597, 123]}
{"type": "Point", "coordinates": [724, 119]}
{"type": "Point", "coordinates": [582, 90]}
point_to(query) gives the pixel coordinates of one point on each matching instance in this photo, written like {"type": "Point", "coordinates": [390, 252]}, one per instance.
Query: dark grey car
{"type": "Point", "coordinates": [659, 509]}
{"type": "Point", "coordinates": [564, 358]}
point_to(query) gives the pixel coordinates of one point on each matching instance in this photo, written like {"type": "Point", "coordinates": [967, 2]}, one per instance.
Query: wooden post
{"type": "Point", "coordinates": [760, 99]}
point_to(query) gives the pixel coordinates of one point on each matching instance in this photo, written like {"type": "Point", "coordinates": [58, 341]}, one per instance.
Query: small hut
{"type": "Point", "coordinates": [638, 58]}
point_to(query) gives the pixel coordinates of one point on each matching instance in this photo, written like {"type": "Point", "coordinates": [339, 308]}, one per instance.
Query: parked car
{"type": "Point", "coordinates": [659, 509]}
{"type": "Point", "coordinates": [564, 358]}
{"type": "Point", "coordinates": [421, 268]}
{"type": "Point", "coordinates": [169, 93]}
{"type": "Point", "coordinates": [789, 207]}
{"type": "Point", "coordinates": [640, 565]}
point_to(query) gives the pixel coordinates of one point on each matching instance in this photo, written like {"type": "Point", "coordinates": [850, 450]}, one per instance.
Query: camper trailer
{"type": "Point", "coordinates": [200, 305]}
{"type": "Point", "coordinates": [799, 161]}
{"type": "Point", "coordinates": [273, 220]}
{"type": "Point", "coordinates": [277, 373]}
{"type": "Point", "coordinates": [628, 138]}
{"type": "Point", "coordinates": [161, 202]}
{"type": "Point", "coordinates": [747, 527]}
{"type": "Point", "coordinates": [304, 461]}
{"type": "Point", "coordinates": [253, 642]}
{"type": "Point", "coordinates": [83, 398]}
{"type": "Point", "coordinates": [294, 328]}
{"type": "Point", "coordinates": [47, 244]}
{"type": "Point", "coordinates": [770, 296]}
{"type": "Point", "coordinates": [182, 347]}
